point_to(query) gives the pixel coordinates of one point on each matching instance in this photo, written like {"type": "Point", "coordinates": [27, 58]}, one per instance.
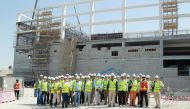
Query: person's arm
{"type": "Point", "coordinates": [161, 84]}
{"type": "Point", "coordinates": [116, 83]}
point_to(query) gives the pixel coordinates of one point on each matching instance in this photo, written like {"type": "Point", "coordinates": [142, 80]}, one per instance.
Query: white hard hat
{"type": "Point", "coordinates": [53, 79]}
{"type": "Point", "coordinates": [41, 75]}
{"type": "Point", "coordinates": [138, 76]}
{"type": "Point", "coordinates": [128, 76]}
{"type": "Point", "coordinates": [82, 77]}
{"type": "Point", "coordinates": [65, 77]}
{"type": "Point", "coordinates": [69, 76]}
{"type": "Point", "coordinates": [143, 76]}
{"type": "Point", "coordinates": [77, 77]}
{"type": "Point", "coordinates": [57, 77]}
{"type": "Point", "coordinates": [49, 77]}
{"type": "Point", "coordinates": [122, 75]}
{"type": "Point", "coordinates": [106, 75]}
{"type": "Point", "coordinates": [80, 74]}
{"type": "Point", "coordinates": [147, 76]}
{"type": "Point", "coordinates": [112, 74]}
{"type": "Point", "coordinates": [45, 77]}
{"type": "Point", "coordinates": [134, 75]}
{"type": "Point", "coordinates": [98, 75]}
{"type": "Point", "coordinates": [156, 76]}
{"type": "Point", "coordinates": [76, 74]}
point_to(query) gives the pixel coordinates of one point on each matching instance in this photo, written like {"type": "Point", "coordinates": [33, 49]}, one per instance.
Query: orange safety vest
{"type": "Point", "coordinates": [143, 86]}
{"type": "Point", "coordinates": [17, 86]}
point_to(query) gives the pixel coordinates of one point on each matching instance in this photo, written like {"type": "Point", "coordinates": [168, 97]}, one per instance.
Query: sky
{"type": "Point", "coordinates": [10, 8]}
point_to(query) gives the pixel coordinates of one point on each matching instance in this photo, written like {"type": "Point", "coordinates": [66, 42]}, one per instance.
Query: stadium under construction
{"type": "Point", "coordinates": [50, 44]}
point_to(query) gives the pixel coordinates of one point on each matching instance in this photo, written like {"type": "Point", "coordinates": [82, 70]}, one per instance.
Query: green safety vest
{"type": "Point", "coordinates": [105, 84]}
{"type": "Point", "coordinates": [98, 83]}
{"type": "Point", "coordinates": [79, 86]}
{"type": "Point", "coordinates": [122, 85]}
{"type": "Point", "coordinates": [134, 85]}
{"type": "Point", "coordinates": [65, 87]}
{"type": "Point", "coordinates": [39, 84]}
{"type": "Point", "coordinates": [157, 86]}
{"type": "Point", "coordinates": [88, 86]}
{"type": "Point", "coordinates": [112, 85]}
{"type": "Point", "coordinates": [71, 84]}
{"type": "Point", "coordinates": [150, 86]}
{"type": "Point", "coordinates": [51, 88]}
{"type": "Point", "coordinates": [44, 86]}
{"type": "Point", "coordinates": [56, 87]}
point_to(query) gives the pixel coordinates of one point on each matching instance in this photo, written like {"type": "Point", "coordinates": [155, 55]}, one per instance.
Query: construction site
{"type": "Point", "coordinates": [49, 44]}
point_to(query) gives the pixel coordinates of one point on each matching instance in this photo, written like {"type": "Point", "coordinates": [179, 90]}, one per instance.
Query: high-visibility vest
{"type": "Point", "coordinates": [157, 86]}
{"type": "Point", "coordinates": [34, 86]}
{"type": "Point", "coordinates": [17, 86]}
{"type": "Point", "coordinates": [65, 87]}
{"type": "Point", "coordinates": [88, 86]}
{"type": "Point", "coordinates": [44, 86]}
{"type": "Point", "coordinates": [112, 85]}
{"type": "Point", "coordinates": [150, 86]}
{"type": "Point", "coordinates": [105, 84]}
{"type": "Point", "coordinates": [122, 85]}
{"type": "Point", "coordinates": [143, 86]}
{"type": "Point", "coordinates": [51, 88]}
{"type": "Point", "coordinates": [98, 84]}
{"type": "Point", "coordinates": [39, 84]}
{"type": "Point", "coordinates": [134, 85]}
{"type": "Point", "coordinates": [71, 84]}
{"type": "Point", "coordinates": [56, 87]}
{"type": "Point", "coordinates": [79, 86]}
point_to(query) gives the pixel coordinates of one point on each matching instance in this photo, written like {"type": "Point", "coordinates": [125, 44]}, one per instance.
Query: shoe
{"type": "Point", "coordinates": [114, 105]}
{"type": "Point", "coordinates": [109, 105]}
{"type": "Point", "coordinates": [156, 107]}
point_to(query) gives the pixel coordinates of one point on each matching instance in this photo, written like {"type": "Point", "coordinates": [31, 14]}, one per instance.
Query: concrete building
{"type": "Point", "coordinates": [165, 52]}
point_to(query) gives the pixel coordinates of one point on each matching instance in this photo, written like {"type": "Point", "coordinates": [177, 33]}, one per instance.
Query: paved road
{"type": "Point", "coordinates": [29, 102]}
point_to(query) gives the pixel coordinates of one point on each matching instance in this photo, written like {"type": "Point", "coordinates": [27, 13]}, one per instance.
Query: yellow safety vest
{"type": "Point", "coordinates": [39, 84]}
{"type": "Point", "coordinates": [122, 85]}
{"type": "Point", "coordinates": [56, 87]}
{"type": "Point", "coordinates": [88, 86]}
{"type": "Point", "coordinates": [105, 84]}
{"type": "Point", "coordinates": [157, 86]}
{"type": "Point", "coordinates": [44, 86]}
{"type": "Point", "coordinates": [79, 86]}
{"type": "Point", "coordinates": [112, 85]}
{"type": "Point", "coordinates": [65, 87]}
{"type": "Point", "coordinates": [51, 88]}
{"type": "Point", "coordinates": [134, 85]}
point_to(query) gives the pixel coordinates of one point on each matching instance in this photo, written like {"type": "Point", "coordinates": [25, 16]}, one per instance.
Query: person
{"type": "Point", "coordinates": [133, 91]}
{"type": "Point", "coordinates": [105, 91]}
{"type": "Point", "coordinates": [77, 85]}
{"type": "Point", "coordinates": [51, 91]}
{"type": "Point", "coordinates": [38, 87]}
{"type": "Point", "coordinates": [138, 78]}
{"type": "Point", "coordinates": [87, 90]}
{"type": "Point", "coordinates": [112, 85]}
{"type": "Point", "coordinates": [93, 88]}
{"type": "Point", "coordinates": [17, 89]}
{"type": "Point", "coordinates": [44, 88]}
{"type": "Point", "coordinates": [65, 92]}
{"type": "Point", "coordinates": [122, 87]}
{"type": "Point", "coordinates": [129, 81]}
{"type": "Point", "coordinates": [149, 87]}
{"type": "Point", "coordinates": [143, 91]}
{"type": "Point", "coordinates": [82, 90]}
{"type": "Point", "coordinates": [158, 85]}
{"type": "Point", "coordinates": [98, 87]}
{"type": "Point", "coordinates": [57, 88]}
{"type": "Point", "coordinates": [71, 90]}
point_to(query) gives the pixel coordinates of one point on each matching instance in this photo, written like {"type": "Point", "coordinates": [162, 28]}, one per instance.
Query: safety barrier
{"type": "Point", "coordinates": [7, 96]}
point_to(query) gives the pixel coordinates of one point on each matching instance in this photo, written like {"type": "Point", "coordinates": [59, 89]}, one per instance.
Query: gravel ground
{"type": "Point", "coordinates": [29, 102]}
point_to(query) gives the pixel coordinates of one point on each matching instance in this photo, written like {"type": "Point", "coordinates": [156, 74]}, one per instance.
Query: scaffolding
{"type": "Point", "coordinates": [170, 17]}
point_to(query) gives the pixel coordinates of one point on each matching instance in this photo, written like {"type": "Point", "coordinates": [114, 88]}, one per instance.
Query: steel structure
{"type": "Point", "coordinates": [92, 11]}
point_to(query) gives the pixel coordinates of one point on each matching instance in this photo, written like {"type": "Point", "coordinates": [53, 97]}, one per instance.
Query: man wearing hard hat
{"type": "Point", "coordinates": [112, 86]}
{"type": "Point", "coordinates": [77, 85]}
{"type": "Point", "coordinates": [158, 85]}
{"type": "Point", "coordinates": [44, 88]}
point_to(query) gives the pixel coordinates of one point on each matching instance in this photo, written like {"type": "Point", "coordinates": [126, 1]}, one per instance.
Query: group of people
{"type": "Point", "coordinates": [95, 89]}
